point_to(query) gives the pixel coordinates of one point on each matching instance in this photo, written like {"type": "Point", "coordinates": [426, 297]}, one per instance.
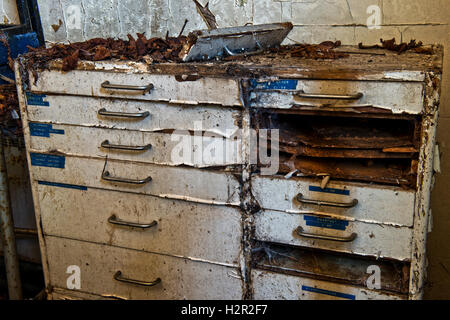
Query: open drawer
{"type": "Point", "coordinates": [372, 148]}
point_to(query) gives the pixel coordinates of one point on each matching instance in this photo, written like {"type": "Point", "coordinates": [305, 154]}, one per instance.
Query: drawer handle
{"type": "Point", "coordinates": [356, 96]}
{"type": "Point", "coordinates": [118, 277]}
{"type": "Point", "coordinates": [350, 204]}
{"type": "Point", "coordinates": [107, 145]}
{"type": "Point", "coordinates": [301, 233]}
{"type": "Point", "coordinates": [113, 220]}
{"type": "Point", "coordinates": [139, 115]}
{"type": "Point", "coordinates": [107, 177]}
{"type": "Point", "coordinates": [108, 85]}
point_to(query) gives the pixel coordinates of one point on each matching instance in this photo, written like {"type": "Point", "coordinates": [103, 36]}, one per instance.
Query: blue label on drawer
{"type": "Point", "coordinates": [329, 293]}
{"type": "Point", "coordinates": [37, 100]}
{"type": "Point", "coordinates": [47, 160]}
{"type": "Point", "coordinates": [326, 223]}
{"type": "Point", "coordinates": [329, 190]}
{"type": "Point", "coordinates": [62, 185]}
{"type": "Point", "coordinates": [274, 85]}
{"type": "Point", "coordinates": [43, 130]}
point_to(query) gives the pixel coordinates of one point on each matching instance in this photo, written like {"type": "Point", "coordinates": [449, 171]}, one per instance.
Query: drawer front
{"type": "Point", "coordinates": [197, 185]}
{"type": "Point", "coordinates": [149, 147]}
{"type": "Point", "coordinates": [180, 228]}
{"type": "Point", "coordinates": [153, 116]}
{"type": "Point", "coordinates": [165, 87]}
{"type": "Point", "coordinates": [332, 234]}
{"type": "Point", "coordinates": [395, 96]}
{"type": "Point", "coordinates": [275, 286]}
{"type": "Point", "coordinates": [377, 204]}
{"type": "Point", "coordinates": [61, 294]}
{"type": "Point", "coordinates": [180, 278]}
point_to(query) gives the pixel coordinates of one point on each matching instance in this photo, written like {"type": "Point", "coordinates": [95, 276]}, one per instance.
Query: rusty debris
{"type": "Point", "coordinates": [9, 110]}
{"type": "Point", "coordinates": [401, 47]}
{"type": "Point", "coordinates": [379, 150]}
{"type": "Point", "coordinates": [152, 50]}
{"type": "Point", "coordinates": [324, 50]}
{"type": "Point", "coordinates": [328, 266]}
{"type": "Point", "coordinates": [207, 15]}
{"type": "Point", "coordinates": [4, 41]}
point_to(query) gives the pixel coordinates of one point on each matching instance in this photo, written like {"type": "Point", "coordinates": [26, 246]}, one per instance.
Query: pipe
{"type": "Point", "coordinates": [7, 233]}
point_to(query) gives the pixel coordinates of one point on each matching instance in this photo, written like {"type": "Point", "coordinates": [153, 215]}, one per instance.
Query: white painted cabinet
{"type": "Point", "coordinates": [113, 200]}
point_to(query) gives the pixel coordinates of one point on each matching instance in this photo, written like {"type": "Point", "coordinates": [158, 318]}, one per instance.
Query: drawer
{"type": "Point", "coordinates": [197, 185]}
{"type": "Point", "coordinates": [219, 91]}
{"type": "Point", "coordinates": [175, 227]}
{"type": "Point", "coordinates": [99, 264]}
{"type": "Point", "coordinates": [377, 204]}
{"type": "Point", "coordinates": [150, 147]}
{"type": "Point", "coordinates": [397, 97]}
{"type": "Point", "coordinates": [130, 114]}
{"type": "Point", "coordinates": [333, 234]}
{"type": "Point", "coordinates": [61, 294]}
{"type": "Point", "coordinates": [275, 286]}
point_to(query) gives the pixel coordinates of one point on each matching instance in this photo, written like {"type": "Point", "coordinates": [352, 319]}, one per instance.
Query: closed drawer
{"type": "Point", "coordinates": [163, 87]}
{"type": "Point", "coordinates": [130, 114]}
{"type": "Point", "coordinates": [333, 234]}
{"type": "Point", "coordinates": [275, 286]}
{"type": "Point", "coordinates": [150, 147]}
{"type": "Point", "coordinates": [61, 294]}
{"type": "Point", "coordinates": [198, 185]}
{"type": "Point", "coordinates": [376, 204]}
{"type": "Point", "coordinates": [99, 264]}
{"type": "Point", "coordinates": [397, 97]}
{"type": "Point", "coordinates": [180, 228]}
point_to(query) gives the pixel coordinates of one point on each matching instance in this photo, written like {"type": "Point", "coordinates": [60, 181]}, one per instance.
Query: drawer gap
{"type": "Point", "coordinates": [380, 150]}
{"type": "Point", "coordinates": [323, 265]}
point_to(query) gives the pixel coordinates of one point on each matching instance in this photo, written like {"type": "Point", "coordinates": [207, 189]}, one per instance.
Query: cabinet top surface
{"type": "Point", "coordinates": [358, 65]}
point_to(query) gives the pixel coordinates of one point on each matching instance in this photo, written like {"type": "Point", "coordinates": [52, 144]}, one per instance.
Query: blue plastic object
{"type": "Point", "coordinates": [18, 45]}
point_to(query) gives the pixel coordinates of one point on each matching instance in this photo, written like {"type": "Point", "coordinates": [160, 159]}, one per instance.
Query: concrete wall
{"type": "Point", "coordinates": [315, 21]}
{"type": "Point", "coordinates": [8, 12]}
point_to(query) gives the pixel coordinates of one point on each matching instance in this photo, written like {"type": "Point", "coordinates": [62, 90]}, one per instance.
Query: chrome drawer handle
{"type": "Point", "coordinates": [139, 115]}
{"type": "Point", "coordinates": [108, 85]}
{"type": "Point", "coordinates": [118, 277]}
{"type": "Point", "coordinates": [350, 204]}
{"type": "Point", "coordinates": [356, 96]}
{"type": "Point", "coordinates": [299, 231]}
{"type": "Point", "coordinates": [107, 145]}
{"type": "Point", "coordinates": [113, 220]}
{"type": "Point", "coordinates": [107, 177]}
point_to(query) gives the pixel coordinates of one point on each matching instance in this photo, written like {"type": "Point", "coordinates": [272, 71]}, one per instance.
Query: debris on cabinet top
{"type": "Point", "coordinates": [247, 51]}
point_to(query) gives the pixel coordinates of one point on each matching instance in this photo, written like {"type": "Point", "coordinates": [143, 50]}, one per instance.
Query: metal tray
{"type": "Point", "coordinates": [218, 43]}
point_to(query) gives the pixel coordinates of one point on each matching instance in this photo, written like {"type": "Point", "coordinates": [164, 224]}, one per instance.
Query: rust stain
{"type": "Point", "coordinates": [56, 27]}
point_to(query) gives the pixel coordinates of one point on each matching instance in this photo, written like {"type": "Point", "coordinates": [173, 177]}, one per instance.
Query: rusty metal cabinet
{"type": "Point", "coordinates": [351, 191]}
